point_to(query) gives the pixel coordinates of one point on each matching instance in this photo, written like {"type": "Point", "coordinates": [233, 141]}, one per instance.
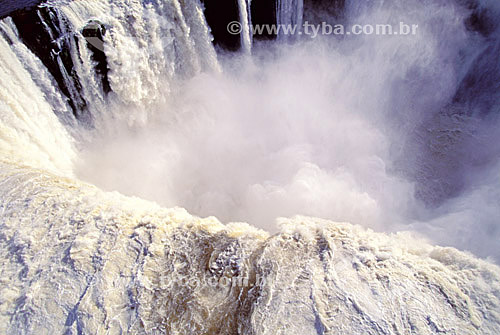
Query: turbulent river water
{"type": "Point", "coordinates": [117, 115]}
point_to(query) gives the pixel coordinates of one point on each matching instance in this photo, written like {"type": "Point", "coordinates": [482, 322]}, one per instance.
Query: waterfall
{"type": "Point", "coordinates": [31, 132]}
{"type": "Point", "coordinates": [114, 113]}
{"type": "Point", "coordinates": [142, 47]}
{"type": "Point", "coordinates": [245, 21]}
{"type": "Point", "coordinates": [289, 13]}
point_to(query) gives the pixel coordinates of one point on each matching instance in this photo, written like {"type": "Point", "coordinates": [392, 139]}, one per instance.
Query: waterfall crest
{"type": "Point", "coordinates": [76, 259]}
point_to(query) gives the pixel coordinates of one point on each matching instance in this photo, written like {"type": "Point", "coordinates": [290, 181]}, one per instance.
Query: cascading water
{"type": "Point", "coordinates": [388, 132]}
{"type": "Point", "coordinates": [289, 13]}
{"type": "Point", "coordinates": [245, 21]}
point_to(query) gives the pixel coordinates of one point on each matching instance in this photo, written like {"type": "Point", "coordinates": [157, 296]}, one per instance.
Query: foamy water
{"type": "Point", "coordinates": [394, 133]}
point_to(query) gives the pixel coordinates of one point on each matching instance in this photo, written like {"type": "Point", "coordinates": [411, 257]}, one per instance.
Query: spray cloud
{"type": "Point", "coordinates": [390, 132]}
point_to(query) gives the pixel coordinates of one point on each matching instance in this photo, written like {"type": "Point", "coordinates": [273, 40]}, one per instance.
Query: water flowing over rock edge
{"type": "Point", "coordinates": [78, 260]}
{"type": "Point", "coordinates": [85, 261]}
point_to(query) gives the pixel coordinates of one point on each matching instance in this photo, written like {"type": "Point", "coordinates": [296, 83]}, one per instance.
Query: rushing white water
{"type": "Point", "coordinates": [367, 130]}
{"type": "Point", "coordinates": [30, 131]}
{"type": "Point", "coordinates": [245, 21]}
{"type": "Point", "coordinates": [289, 13]}
{"type": "Point", "coordinates": [347, 129]}
{"type": "Point", "coordinates": [82, 261]}
{"type": "Point", "coordinates": [143, 52]}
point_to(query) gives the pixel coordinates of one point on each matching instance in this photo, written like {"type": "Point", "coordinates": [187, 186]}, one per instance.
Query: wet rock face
{"type": "Point", "coordinates": [94, 33]}
{"type": "Point", "coordinates": [47, 34]}
{"type": "Point", "coordinates": [264, 12]}
{"type": "Point", "coordinates": [317, 11]}
{"type": "Point", "coordinates": [7, 7]}
{"type": "Point", "coordinates": [219, 13]}
{"type": "Point", "coordinates": [41, 30]}
{"type": "Point", "coordinates": [480, 20]}
{"type": "Point", "coordinates": [479, 89]}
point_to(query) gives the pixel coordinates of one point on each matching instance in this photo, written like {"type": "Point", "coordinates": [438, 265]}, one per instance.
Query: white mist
{"type": "Point", "coordinates": [331, 127]}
